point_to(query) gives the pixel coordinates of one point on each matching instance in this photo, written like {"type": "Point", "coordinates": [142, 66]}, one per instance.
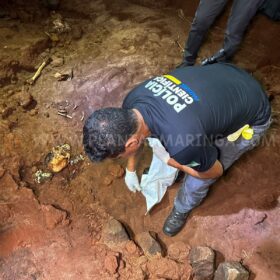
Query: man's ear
{"type": "Point", "coordinates": [131, 142]}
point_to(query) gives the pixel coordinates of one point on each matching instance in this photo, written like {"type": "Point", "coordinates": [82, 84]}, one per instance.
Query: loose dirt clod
{"type": "Point", "coordinates": [178, 251]}
{"type": "Point", "coordinates": [111, 263]}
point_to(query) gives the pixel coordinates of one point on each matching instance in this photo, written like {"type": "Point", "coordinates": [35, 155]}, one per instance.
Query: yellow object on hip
{"type": "Point", "coordinates": [246, 131]}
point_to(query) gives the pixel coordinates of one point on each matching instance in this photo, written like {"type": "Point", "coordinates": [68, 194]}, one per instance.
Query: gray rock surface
{"type": "Point", "coordinates": [148, 244]}
{"type": "Point", "coordinates": [202, 261]}
{"type": "Point", "coordinates": [231, 271]}
{"type": "Point", "coordinates": [114, 233]}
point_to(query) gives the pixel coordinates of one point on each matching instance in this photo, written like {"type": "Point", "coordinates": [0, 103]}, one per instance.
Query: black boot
{"type": "Point", "coordinates": [174, 222]}
{"type": "Point", "coordinates": [219, 56]}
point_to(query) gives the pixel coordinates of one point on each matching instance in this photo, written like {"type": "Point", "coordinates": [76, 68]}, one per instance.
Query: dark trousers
{"type": "Point", "coordinates": [194, 190]}
{"type": "Point", "coordinates": [241, 13]}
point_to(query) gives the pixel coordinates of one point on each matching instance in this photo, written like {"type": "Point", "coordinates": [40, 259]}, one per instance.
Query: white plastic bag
{"type": "Point", "coordinates": [159, 178]}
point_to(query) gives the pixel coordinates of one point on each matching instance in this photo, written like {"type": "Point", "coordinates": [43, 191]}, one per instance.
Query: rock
{"type": "Point", "coordinates": [76, 32]}
{"type": "Point", "coordinates": [57, 61]}
{"type": "Point", "coordinates": [26, 100]}
{"type": "Point", "coordinates": [54, 216]}
{"type": "Point", "coordinates": [111, 263]}
{"type": "Point", "coordinates": [114, 233]}
{"type": "Point", "coordinates": [178, 251]}
{"type": "Point", "coordinates": [202, 261]}
{"type": "Point", "coordinates": [231, 271]}
{"type": "Point", "coordinates": [148, 244]}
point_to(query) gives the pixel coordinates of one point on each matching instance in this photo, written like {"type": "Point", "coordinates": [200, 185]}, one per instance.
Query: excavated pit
{"type": "Point", "coordinates": [53, 230]}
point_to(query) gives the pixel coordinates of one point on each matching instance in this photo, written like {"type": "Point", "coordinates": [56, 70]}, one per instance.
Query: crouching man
{"type": "Point", "coordinates": [206, 117]}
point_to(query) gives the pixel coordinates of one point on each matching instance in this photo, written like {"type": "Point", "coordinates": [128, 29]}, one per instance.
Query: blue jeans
{"type": "Point", "coordinates": [193, 190]}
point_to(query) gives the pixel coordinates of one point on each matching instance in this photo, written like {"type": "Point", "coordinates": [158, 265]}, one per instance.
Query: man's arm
{"type": "Point", "coordinates": [214, 172]}
{"type": "Point", "coordinates": [131, 163]}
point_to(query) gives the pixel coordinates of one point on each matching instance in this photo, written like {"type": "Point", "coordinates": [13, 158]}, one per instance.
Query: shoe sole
{"type": "Point", "coordinates": [170, 234]}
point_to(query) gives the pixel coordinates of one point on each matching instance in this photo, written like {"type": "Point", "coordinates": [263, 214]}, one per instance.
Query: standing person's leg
{"type": "Point", "coordinates": [241, 14]}
{"type": "Point", "coordinates": [194, 190]}
{"type": "Point", "coordinates": [205, 15]}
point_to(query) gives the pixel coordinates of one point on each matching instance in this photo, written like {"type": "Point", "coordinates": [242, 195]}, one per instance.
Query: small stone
{"type": "Point", "coordinates": [57, 61]}
{"type": "Point", "coordinates": [111, 264]}
{"type": "Point", "coordinates": [77, 32]}
{"type": "Point", "coordinates": [148, 244]}
{"type": "Point", "coordinates": [231, 271]}
{"type": "Point", "coordinates": [114, 233]}
{"type": "Point", "coordinates": [202, 261]}
{"type": "Point", "coordinates": [47, 115]}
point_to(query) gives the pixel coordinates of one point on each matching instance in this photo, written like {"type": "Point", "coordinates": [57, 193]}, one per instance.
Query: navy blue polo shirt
{"type": "Point", "coordinates": [188, 108]}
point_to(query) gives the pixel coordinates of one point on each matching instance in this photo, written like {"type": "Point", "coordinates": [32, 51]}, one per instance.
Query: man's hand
{"type": "Point", "coordinates": [132, 181]}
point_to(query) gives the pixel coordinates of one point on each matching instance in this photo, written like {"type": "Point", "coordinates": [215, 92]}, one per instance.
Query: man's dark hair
{"type": "Point", "coordinates": [106, 132]}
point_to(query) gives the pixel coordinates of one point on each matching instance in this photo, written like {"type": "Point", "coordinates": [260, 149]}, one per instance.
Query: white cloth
{"type": "Point", "coordinates": [159, 178]}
